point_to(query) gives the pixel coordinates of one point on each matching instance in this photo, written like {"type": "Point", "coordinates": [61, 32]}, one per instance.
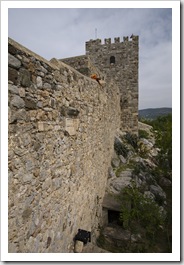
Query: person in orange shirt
{"type": "Point", "coordinates": [94, 76]}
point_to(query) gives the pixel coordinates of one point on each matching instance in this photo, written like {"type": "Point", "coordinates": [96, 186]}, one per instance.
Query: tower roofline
{"type": "Point", "coordinates": [116, 40]}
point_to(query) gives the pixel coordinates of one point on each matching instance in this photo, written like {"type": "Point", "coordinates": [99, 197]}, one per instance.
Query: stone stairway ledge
{"type": "Point", "coordinates": [91, 248]}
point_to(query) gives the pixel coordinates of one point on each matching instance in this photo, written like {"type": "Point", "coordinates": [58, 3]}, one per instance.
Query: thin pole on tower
{"type": "Point", "coordinates": [95, 33]}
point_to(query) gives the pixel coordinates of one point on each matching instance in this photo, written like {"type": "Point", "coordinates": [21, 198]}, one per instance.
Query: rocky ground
{"type": "Point", "coordinates": [134, 161]}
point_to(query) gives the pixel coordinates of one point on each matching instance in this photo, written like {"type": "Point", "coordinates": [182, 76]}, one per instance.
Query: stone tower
{"type": "Point", "coordinates": [120, 61]}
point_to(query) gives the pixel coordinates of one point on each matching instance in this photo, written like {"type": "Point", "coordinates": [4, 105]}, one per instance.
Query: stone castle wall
{"type": "Point", "coordinates": [119, 61]}
{"type": "Point", "coordinates": [61, 136]}
{"type": "Point", "coordinates": [84, 65]}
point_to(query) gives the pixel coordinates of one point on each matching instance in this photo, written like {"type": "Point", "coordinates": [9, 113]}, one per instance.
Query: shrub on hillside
{"type": "Point", "coordinates": [162, 128]}
{"type": "Point", "coordinates": [139, 210]}
{"type": "Point", "coordinates": [143, 134]}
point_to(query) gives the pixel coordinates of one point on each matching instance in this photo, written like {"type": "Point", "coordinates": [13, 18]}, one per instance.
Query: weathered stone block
{"type": "Point", "coordinates": [115, 162]}
{"type": "Point", "coordinates": [22, 92]}
{"type": "Point", "coordinates": [26, 213]}
{"type": "Point", "coordinates": [69, 111]}
{"type": "Point", "coordinates": [13, 75]}
{"type": "Point", "coordinates": [12, 49]}
{"type": "Point", "coordinates": [20, 151]}
{"type": "Point", "coordinates": [13, 61]}
{"type": "Point", "coordinates": [122, 159]}
{"type": "Point", "coordinates": [25, 59]}
{"type": "Point", "coordinates": [42, 69]}
{"type": "Point", "coordinates": [56, 183]}
{"type": "Point", "coordinates": [39, 104]}
{"type": "Point", "coordinates": [44, 93]}
{"type": "Point", "coordinates": [111, 173]}
{"type": "Point", "coordinates": [25, 78]}
{"type": "Point", "coordinates": [78, 246]}
{"type": "Point", "coordinates": [39, 82]}
{"type": "Point", "coordinates": [13, 89]}
{"type": "Point", "coordinates": [71, 126]}
{"type": "Point", "coordinates": [30, 165]}
{"type": "Point", "coordinates": [17, 102]}
{"type": "Point", "coordinates": [47, 86]}
{"type": "Point", "coordinates": [30, 104]}
{"type": "Point", "coordinates": [73, 112]}
{"type": "Point", "coordinates": [47, 183]}
{"type": "Point", "coordinates": [32, 114]}
{"type": "Point", "coordinates": [40, 126]}
{"type": "Point", "coordinates": [31, 67]}
{"type": "Point", "coordinates": [27, 178]}
{"type": "Point", "coordinates": [18, 115]}
{"type": "Point", "coordinates": [40, 115]}
{"type": "Point", "coordinates": [12, 248]}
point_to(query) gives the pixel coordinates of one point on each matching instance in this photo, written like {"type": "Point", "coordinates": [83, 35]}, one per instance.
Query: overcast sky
{"type": "Point", "coordinates": [63, 32]}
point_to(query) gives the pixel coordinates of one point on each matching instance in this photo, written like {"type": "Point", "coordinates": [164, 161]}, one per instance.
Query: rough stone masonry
{"type": "Point", "coordinates": [61, 136]}
{"type": "Point", "coordinates": [117, 61]}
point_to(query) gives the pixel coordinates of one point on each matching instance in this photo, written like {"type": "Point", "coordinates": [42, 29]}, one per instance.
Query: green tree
{"type": "Point", "coordinates": [137, 210]}
{"type": "Point", "coordinates": [162, 128]}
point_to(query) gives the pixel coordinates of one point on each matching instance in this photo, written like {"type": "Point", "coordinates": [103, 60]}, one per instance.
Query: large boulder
{"type": "Point", "coordinates": [13, 61]}
{"type": "Point", "coordinates": [111, 173]}
{"type": "Point", "coordinates": [149, 195]}
{"type": "Point", "coordinates": [115, 162]}
{"type": "Point", "coordinates": [122, 159]}
{"type": "Point", "coordinates": [158, 192]}
{"type": "Point", "coordinates": [116, 235]}
{"type": "Point", "coordinates": [117, 239]}
{"type": "Point", "coordinates": [121, 182]}
{"type": "Point", "coordinates": [164, 182]}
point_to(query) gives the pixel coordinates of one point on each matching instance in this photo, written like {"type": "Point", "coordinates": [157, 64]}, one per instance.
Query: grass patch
{"type": "Point", "coordinates": [129, 165]}
{"type": "Point", "coordinates": [143, 134]}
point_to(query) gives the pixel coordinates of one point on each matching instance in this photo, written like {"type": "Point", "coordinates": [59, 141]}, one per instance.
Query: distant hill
{"type": "Point", "coordinates": [153, 113]}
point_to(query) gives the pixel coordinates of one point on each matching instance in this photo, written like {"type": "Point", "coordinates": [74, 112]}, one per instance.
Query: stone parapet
{"type": "Point", "coordinates": [61, 137]}
{"type": "Point", "coordinates": [84, 65]}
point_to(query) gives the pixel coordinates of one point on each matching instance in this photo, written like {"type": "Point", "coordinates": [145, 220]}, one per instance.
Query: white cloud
{"type": "Point", "coordinates": [63, 32]}
{"type": "Point", "coordinates": [156, 76]}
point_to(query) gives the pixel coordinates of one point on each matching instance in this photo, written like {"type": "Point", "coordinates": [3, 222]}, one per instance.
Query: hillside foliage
{"type": "Point", "coordinates": [162, 128]}
{"type": "Point", "coordinates": [138, 211]}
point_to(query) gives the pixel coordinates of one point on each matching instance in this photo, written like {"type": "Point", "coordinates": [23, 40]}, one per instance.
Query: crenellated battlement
{"type": "Point", "coordinates": [108, 41]}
